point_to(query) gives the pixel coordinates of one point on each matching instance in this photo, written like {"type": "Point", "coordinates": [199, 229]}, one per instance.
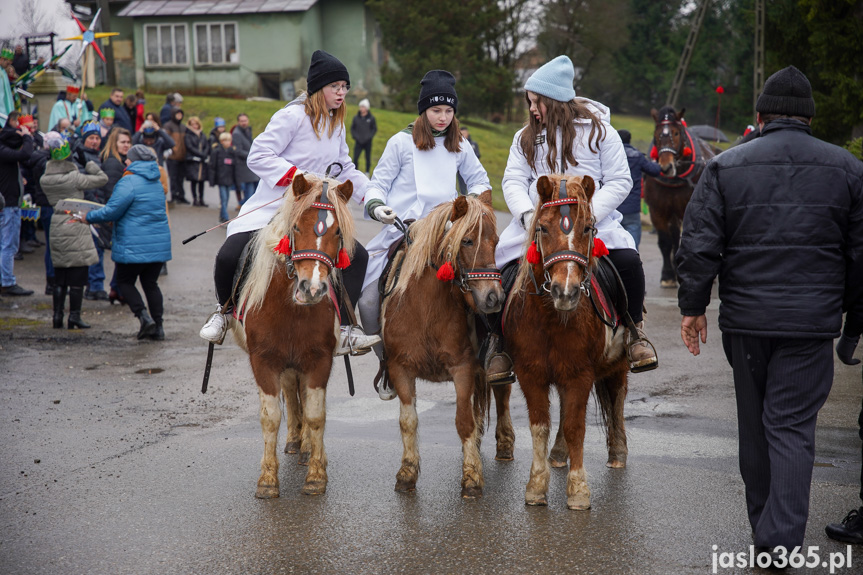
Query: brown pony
{"type": "Point", "coordinates": [555, 337]}
{"type": "Point", "coordinates": [682, 158]}
{"type": "Point", "coordinates": [290, 324]}
{"type": "Point", "coordinates": [448, 276]}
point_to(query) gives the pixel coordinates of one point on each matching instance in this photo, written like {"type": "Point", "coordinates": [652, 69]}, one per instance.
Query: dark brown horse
{"type": "Point", "coordinates": [291, 322]}
{"type": "Point", "coordinates": [682, 158]}
{"type": "Point", "coordinates": [448, 276]}
{"type": "Point", "coordinates": [556, 337]}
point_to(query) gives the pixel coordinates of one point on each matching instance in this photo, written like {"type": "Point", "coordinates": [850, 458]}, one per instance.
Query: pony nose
{"type": "Point", "coordinates": [311, 289]}
{"type": "Point", "coordinates": [564, 300]}
{"type": "Point", "coordinates": [492, 301]}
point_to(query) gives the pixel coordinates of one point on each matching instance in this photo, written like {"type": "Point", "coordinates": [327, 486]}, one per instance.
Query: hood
{"type": "Point", "coordinates": [54, 167]}
{"type": "Point", "coordinates": [599, 109]}
{"type": "Point", "coordinates": [147, 170]}
{"type": "Point", "coordinates": [10, 137]}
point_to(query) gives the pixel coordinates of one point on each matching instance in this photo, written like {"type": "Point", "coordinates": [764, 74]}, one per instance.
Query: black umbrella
{"type": "Point", "coordinates": [709, 133]}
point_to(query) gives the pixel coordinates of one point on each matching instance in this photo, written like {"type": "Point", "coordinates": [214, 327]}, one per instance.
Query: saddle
{"type": "Point", "coordinates": [244, 264]}
{"type": "Point", "coordinates": [608, 294]}
{"type": "Point", "coordinates": [395, 258]}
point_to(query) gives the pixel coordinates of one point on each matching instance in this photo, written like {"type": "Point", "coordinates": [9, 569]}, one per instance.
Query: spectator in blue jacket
{"type": "Point", "coordinates": [631, 206]}
{"type": "Point", "coordinates": [142, 238]}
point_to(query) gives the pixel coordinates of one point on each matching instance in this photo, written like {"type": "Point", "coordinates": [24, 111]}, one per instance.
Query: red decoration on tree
{"type": "Point", "coordinates": [687, 151]}
{"type": "Point", "coordinates": [284, 246]}
{"type": "Point", "coordinates": [446, 273]}
{"type": "Point", "coordinates": [654, 155]}
{"type": "Point", "coordinates": [533, 255]}
{"type": "Point", "coordinates": [720, 90]}
{"type": "Point", "coordinates": [599, 248]}
{"type": "Point", "coordinates": [343, 259]}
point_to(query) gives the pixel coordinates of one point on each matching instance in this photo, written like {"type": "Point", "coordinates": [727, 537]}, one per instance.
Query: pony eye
{"type": "Point", "coordinates": [339, 232]}
{"type": "Point", "coordinates": [542, 229]}
{"type": "Point", "coordinates": [467, 242]}
{"type": "Point", "coordinates": [587, 230]}
{"type": "Point", "coordinates": [296, 228]}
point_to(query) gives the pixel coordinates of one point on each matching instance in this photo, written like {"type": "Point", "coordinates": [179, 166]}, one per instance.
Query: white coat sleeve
{"type": "Point", "coordinates": [265, 154]}
{"type": "Point", "coordinates": [616, 178]}
{"type": "Point", "coordinates": [471, 170]}
{"type": "Point", "coordinates": [386, 171]}
{"type": "Point", "coordinates": [350, 171]}
{"type": "Point", "coordinates": [517, 178]}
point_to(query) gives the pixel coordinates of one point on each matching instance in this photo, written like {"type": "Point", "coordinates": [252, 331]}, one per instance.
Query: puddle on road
{"type": "Point", "coordinates": [150, 370]}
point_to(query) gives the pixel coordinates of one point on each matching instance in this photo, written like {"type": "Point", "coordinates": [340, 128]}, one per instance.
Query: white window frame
{"type": "Point", "coordinates": [225, 56]}
{"type": "Point", "coordinates": [158, 27]}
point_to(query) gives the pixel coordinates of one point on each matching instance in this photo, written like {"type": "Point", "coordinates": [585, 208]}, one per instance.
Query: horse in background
{"type": "Point", "coordinates": [578, 350]}
{"type": "Point", "coordinates": [447, 278]}
{"type": "Point", "coordinates": [290, 321]}
{"type": "Point", "coordinates": [682, 158]}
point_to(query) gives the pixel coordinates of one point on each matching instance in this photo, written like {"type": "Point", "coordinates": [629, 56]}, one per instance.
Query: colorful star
{"type": "Point", "coordinates": [88, 36]}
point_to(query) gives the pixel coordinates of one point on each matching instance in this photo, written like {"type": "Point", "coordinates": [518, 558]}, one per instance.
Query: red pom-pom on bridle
{"type": "Point", "coordinates": [599, 248]}
{"type": "Point", "coordinates": [446, 273]}
{"type": "Point", "coordinates": [284, 246]}
{"type": "Point", "coordinates": [343, 261]}
{"type": "Point", "coordinates": [687, 151]}
{"type": "Point", "coordinates": [654, 153]}
{"type": "Point", "coordinates": [533, 255]}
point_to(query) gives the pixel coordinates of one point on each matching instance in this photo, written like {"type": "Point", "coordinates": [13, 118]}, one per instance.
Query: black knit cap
{"type": "Point", "coordinates": [438, 89]}
{"type": "Point", "coordinates": [325, 69]}
{"type": "Point", "coordinates": [625, 136]}
{"type": "Point", "coordinates": [788, 93]}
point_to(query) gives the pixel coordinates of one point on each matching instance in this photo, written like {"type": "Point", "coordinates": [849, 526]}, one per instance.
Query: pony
{"type": "Point", "coordinates": [448, 277]}
{"type": "Point", "coordinates": [577, 350]}
{"type": "Point", "coordinates": [289, 321]}
{"type": "Point", "coordinates": [682, 159]}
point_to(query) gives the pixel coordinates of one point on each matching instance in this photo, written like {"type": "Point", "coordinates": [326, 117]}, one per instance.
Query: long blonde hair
{"type": "Point", "coordinates": [321, 116]}
{"type": "Point", "coordinates": [111, 144]}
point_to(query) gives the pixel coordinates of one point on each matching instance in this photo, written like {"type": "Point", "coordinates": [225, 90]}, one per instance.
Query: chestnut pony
{"type": "Point", "coordinates": [682, 158]}
{"type": "Point", "coordinates": [555, 336]}
{"type": "Point", "coordinates": [291, 321]}
{"type": "Point", "coordinates": [447, 277]}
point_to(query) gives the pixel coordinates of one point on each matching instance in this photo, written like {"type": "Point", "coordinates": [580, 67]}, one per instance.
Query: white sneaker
{"type": "Point", "coordinates": [353, 341]}
{"type": "Point", "coordinates": [216, 327]}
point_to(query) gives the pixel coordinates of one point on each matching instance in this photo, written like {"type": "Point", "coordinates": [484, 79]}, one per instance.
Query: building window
{"type": "Point", "coordinates": [166, 44]}
{"type": "Point", "coordinates": [216, 43]}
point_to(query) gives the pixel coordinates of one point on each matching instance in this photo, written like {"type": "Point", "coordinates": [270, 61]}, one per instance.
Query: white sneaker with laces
{"type": "Point", "coordinates": [216, 327]}
{"type": "Point", "coordinates": [353, 341]}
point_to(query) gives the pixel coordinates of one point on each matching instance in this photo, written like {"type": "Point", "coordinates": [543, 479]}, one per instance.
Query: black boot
{"type": "Point", "coordinates": [148, 326]}
{"type": "Point", "coordinates": [76, 296]}
{"type": "Point", "coordinates": [49, 285]}
{"type": "Point", "coordinates": [59, 293]}
{"type": "Point", "coordinates": [159, 333]}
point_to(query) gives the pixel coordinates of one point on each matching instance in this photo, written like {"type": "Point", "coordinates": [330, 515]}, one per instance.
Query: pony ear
{"type": "Point", "coordinates": [654, 113]}
{"type": "Point", "coordinates": [459, 208]}
{"type": "Point", "coordinates": [545, 190]}
{"type": "Point", "coordinates": [589, 186]}
{"type": "Point", "coordinates": [345, 190]}
{"type": "Point", "coordinates": [485, 197]}
{"type": "Point", "coordinates": [300, 186]}
{"type": "Point", "coordinates": [680, 113]}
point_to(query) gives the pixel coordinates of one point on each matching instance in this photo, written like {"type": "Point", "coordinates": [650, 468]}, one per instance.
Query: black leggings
{"type": "Point", "coordinates": [229, 256]}
{"type": "Point", "coordinates": [128, 274]}
{"type": "Point", "coordinates": [628, 265]}
{"type": "Point", "coordinates": [71, 277]}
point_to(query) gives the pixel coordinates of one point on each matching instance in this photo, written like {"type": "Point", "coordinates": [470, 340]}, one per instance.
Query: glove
{"type": "Point", "coordinates": [385, 215]}
{"type": "Point", "coordinates": [845, 349]}
{"type": "Point", "coordinates": [524, 219]}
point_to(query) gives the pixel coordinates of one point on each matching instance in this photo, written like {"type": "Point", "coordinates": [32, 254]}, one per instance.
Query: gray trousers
{"type": "Point", "coordinates": [370, 309]}
{"type": "Point", "coordinates": [780, 386]}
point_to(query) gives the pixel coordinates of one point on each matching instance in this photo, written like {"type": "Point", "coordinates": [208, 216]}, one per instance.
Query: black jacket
{"type": "Point", "coordinates": [242, 140]}
{"type": "Point", "coordinates": [363, 129]}
{"type": "Point", "coordinates": [162, 142]}
{"type": "Point", "coordinates": [197, 150]}
{"type": "Point", "coordinates": [36, 167]}
{"type": "Point", "coordinates": [121, 116]}
{"type": "Point", "coordinates": [638, 163]}
{"type": "Point", "coordinates": [114, 169]}
{"type": "Point", "coordinates": [14, 148]}
{"type": "Point", "coordinates": [780, 219]}
{"type": "Point", "coordinates": [223, 165]}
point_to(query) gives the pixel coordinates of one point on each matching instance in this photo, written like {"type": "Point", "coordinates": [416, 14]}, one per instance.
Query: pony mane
{"type": "Point", "coordinates": [581, 211]}
{"type": "Point", "coordinates": [431, 241]}
{"type": "Point", "coordinates": [288, 215]}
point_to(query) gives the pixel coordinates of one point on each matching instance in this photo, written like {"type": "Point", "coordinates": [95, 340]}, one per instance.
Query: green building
{"type": "Point", "coordinates": [241, 47]}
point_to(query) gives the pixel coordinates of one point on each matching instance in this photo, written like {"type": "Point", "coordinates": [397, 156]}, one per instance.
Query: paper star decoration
{"type": "Point", "coordinates": [88, 35]}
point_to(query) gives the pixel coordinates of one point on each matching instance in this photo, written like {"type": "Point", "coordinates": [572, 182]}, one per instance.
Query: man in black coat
{"type": "Point", "coordinates": [121, 116]}
{"type": "Point", "coordinates": [16, 145]}
{"type": "Point", "coordinates": [780, 220]}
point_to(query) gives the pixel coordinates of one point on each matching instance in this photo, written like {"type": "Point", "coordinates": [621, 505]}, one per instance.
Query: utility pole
{"type": "Point", "coordinates": [758, 75]}
{"type": "Point", "coordinates": [110, 73]}
{"type": "Point", "coordinates": [677, 84]}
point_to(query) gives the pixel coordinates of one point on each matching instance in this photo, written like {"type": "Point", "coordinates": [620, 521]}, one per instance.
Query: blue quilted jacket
{"type": "Point", "coordinates": [137, 205]}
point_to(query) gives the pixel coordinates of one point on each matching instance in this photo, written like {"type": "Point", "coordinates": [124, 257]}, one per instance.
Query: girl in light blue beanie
{"type": "Point", "coordinates": [569, 135]}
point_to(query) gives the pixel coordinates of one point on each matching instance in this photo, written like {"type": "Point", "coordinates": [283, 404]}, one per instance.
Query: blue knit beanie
{"type": "Point", "coordinates": [553, 80]}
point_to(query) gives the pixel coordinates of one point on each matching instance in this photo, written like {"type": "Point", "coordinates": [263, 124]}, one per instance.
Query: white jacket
{"type": "Point", "coordinates": [608, 168]}
{"type": "Point", "coordinates": [289, 141]}
{"type": "Point", "coordinates": [394, 183]}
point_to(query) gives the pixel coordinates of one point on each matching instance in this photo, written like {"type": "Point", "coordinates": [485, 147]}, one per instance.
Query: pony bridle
{"type": "Point", "coordinates": [473, 274]}
{"type": "Point", "coordinates": [667, 121]}
{"type": "Point", "coordinates": [324, 205]}
{"type": "Point", "coordinates": [566, 225]}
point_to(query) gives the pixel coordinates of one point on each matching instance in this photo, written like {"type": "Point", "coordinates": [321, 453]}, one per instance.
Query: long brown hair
{"type": "Point", "coordinates": [316, 110]}
{"type": "Point", "coordinates": [424, 139]}
{"type": "Point", "coordinates": [111, 144]}
{"type": "Point", "coordinates": [559, 115]}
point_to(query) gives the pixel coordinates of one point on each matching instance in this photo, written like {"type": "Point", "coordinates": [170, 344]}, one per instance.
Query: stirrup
{"type": "Point", "coordinates": [502, 378]}
{"type": "Point", "coordinates": [349, 336]}
{"type": "Point", "coordinates": [382, 383]}
{"type": "Point", "coordinates": [643, 365]}
{"type": "Point", "coordinates": [225, 324]}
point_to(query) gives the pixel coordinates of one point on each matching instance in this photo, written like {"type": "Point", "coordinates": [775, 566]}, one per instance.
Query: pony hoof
{"type": "Point", "coordinates": [616, 463]}
{"type": "Point", "coordinates": [474, 492]}
{"type": "Point", "coordinates": [578, 502]}
{"type": "Point", "coordinates": [315, 488]}
{"type": "Point", "coordinates": [403, 486]}
{"type": "Point", "coordinates": [668, 284]}
{"type": "Point", "coordinates": [557, 463]}
{"type": "Point", "coordinates": [535, 499]}
{"type": "Point", "coordinates": [504, 454]}
{"type": "Point", "coordinates": [304, 458]}
{"type": "Point", "coordinates": [292, 447]}
{"type": "Point", "coordinates": [267, 492]}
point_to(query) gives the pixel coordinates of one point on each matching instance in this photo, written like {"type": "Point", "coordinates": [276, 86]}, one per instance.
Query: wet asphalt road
{"type": "Point", "coordinates": [113, 462]}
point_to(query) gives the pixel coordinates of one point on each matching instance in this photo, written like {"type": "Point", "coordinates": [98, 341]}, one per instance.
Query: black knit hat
{"type": "Point", "coordinates": [788, 93]}
{"type": "Point", "coordinates": [625, 136]}
{"type": "Point", "coordinates": [438, 89]}
{"type": "Point", "coordinates": [325, 69]}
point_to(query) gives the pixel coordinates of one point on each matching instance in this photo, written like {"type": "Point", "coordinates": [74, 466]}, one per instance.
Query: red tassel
{"type": "Point", "coordinates": [654, 155]}
{"type": "Point", "coordinates": [284, 246]}
{"type": "Point", "coordinates": [446, 273]}
{"type": "Point", "coordinates": [343, 259]}
{"type": "Point", "coordinates": [533, 255]}
{"type": "Point", "coordinates": [599, 248]}
{"type": "Point", "coordinates": [687, 151]}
